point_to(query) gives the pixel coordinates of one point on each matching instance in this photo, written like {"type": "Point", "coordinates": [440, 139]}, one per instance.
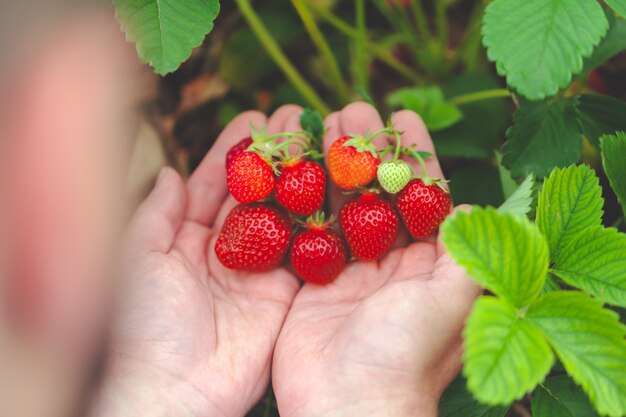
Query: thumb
{"type": "Point", "coordinates": [158, 218]}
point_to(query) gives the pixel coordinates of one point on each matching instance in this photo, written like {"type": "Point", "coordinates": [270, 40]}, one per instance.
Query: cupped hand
{"type": "Point", "coordinates": [384, 338]}
{"type": "Point", "coordinates": [192, 337]}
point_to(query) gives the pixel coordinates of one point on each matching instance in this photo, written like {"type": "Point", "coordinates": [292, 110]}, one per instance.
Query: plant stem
{"type": "Point", "coordinates": [322, 46]}
{"type": "Point", "coordinates": [480, 95]}
{"type": "Point", "coordinates": [397, 16]}
{"type": "Point", "coordinates": [420, 18]}
{"type": "Point", "coordinates": [273, 49]}
{"type": "Point", "coordinates": [442, 23]}
{"type": "Point", "coordinates": [380, 52]}
{"type": "Point", "coordinates": [396, 154]}
{"type": "Point", "coordinates": [361, 61]}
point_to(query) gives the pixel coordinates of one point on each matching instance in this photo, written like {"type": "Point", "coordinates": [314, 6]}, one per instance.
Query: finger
{"type": "Point", "coordinates": [159, 217]}
{"type": "Point", "coordinates": [333, 132]}
{"type": "Point", "coordinates": [278, 121]}
{"type": "Point", "coordinates": [415, 132]}
{"type": "Point", "coordinates": [207, 185]}
{"type": "Point", "coordinates": [361, 118]}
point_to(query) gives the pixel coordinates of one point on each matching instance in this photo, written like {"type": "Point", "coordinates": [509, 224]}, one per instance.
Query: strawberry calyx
{"type": "Point", "coordinates": [363, 143]}
{"type": "Point", "coordinates": [318, 221]}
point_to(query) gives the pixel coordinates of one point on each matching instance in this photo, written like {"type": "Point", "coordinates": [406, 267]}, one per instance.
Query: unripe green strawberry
{"type": "Point", "coordinates": [394, 175]}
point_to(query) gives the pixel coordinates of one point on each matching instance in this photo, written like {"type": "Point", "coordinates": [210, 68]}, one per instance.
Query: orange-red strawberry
{"type": "Point", "coordinates": [352, 162]}
{"type": "Point", "coordinates": [249, 178]}
{"type": "Point", "coordinates": [301, 187]}
{"type": "Point", "coordinates": [236, 149]}
{"type": "Point", "coordinates": [254, 237]}
{"type": "Point", "coordinates": [423, 207]}
{"type": "Point", "coordinates": [318, 254]}
{"type": "Point", "coordinates": [370, 226]}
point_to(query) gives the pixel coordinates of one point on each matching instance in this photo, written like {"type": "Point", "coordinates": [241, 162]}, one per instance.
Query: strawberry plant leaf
{"type": "Point", "coordinates": [550, 285]}
{"type": "Point", "coordinates": [519, 203]}
{"type": "Point", "coordinates": [569, 203]}
{"type": "Point", "coordinates": [539, 44]}
{"type": "Point", "coordinates": [429, 103]}
{"type": "Point", "coordinates": [505, 355]}
{"type": "Point", "coordinates": [566, 392]}
{"type": "Point", "coordinates": [544, 135]}
{"type": "Point", "coordinates": [618, 6]}
{"type": "Point", "coordinates": [613, 151]}
{"type": "Point", "coordinates": [165, 31]}
{"type": "Point", "coordinates": [457, 401]}
{"type": "Point", "coordinates": [589, 341]}
{"type": "Point", "coordinates": [313, 123]}
{"type": "Point", "coordinates": [502, 252]}
{"type": "Point", "coordinates": [509, 185]}
{"type": "Point", "coordinates": [546, 404]}
{"type": "Point", "coordinates": [595, 261]}
{"type": "Point", "coordinates": [613, 43]}
{"type": "Point", "coordinates": [601, 115]}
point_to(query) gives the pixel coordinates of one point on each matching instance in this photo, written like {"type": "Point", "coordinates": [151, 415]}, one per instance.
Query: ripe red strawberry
{"type": "Point", "coordinates": [352, 162]}
{"type": "Point", "coordinates": [301, 187]}
{"type": "Point", "coordinates": [370, 226]}
{"type": "Point", "coordinates": [250, 178]}
{"type": "Point", "coordinates": [423, 207]}
{"type": "Point", "coordinates": [236, 149]}
{"type": "Point", "coordinates": [318, 255]}
{"type": "Point", "coordinates": [254, 237]}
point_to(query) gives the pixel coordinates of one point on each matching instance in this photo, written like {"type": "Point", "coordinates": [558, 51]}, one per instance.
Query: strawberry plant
{"type": "Point", "coordinates": [524, 100]}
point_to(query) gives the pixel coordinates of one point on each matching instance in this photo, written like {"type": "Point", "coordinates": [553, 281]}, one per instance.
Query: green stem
{"type": "Point", "coordinates": [420, 19]}
{"type": "Point", "coordinates": [397, 16]}
{"type": "Point", "coordinates": [416, 155]}
{"type": "Point", "coordinates": [361, 61]}
{"type": "Point", "coordinates": [273, 49]}
{"type": "Point", "coordinates": [396, 154]}
{"type": "Point", "coordinates": [442, 23]}
{"type": "Point", "coordinates": [322, 46]}
{"type": "Point", "coordinates": [480, 95]}
{"type": "Point", "coordinates": [378, 51]}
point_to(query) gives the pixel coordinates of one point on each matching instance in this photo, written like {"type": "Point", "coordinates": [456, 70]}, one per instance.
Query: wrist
{"type": "Point", "coordinates": [151, 393]}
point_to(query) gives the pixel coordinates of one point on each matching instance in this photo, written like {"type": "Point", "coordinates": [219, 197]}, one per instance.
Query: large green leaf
{"type": "Point", "coordinates": [546, 404]}
{"type": "Point", "coordinates": [569, 203]}
{"type": "Point", "coordinates": [567, 393]}
{"type": "Point", "coordinates": [613, 154]}
{"type": "Point", "coordinates": [613, 43]}
{"type": "Point", "coordinates": [165, 31]}
{"type": "Point", "coordinates": [589, 341]}
{"type": "Point", "coordinates": [505, 355]}
{"type": "Point", "coordinates": [539, 44]}
{"type": "Point", "coordinates": [457, 401]}
{"type": "Point", "coordinates": [503, 252]}
{"type": "Point", "coordinates": [601, 115]}
{"type": "Point", "coordinates": [544, 135]}
{"type": "Point", "coordinates": [595, 261]}
{"type": "Point", "coordinates": [429, 103]}
{"type": "Point", "coordinates": [619, 6]}
{"type": "Point", "coordinates": [520, 201]}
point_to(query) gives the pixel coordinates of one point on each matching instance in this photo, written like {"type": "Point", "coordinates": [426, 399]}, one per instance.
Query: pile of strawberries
{"type": "Point", "coordinates": [282, 196]}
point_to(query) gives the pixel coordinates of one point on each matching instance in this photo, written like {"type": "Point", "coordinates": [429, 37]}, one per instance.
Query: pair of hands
{"type": "Point", "coordinates": [194, 338]}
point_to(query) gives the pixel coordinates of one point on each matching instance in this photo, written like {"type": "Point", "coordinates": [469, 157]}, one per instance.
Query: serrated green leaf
{"type": "Point", "coordinates": [618, 6]}
{"type": "Point", "coordinates": [505, 355]}
{"type": "Point", "coordinates": [595, 262]}
{"type": "Point", "coordinates": [550, 285]}
{"type": "Point", "coordinates": [613, 153]}
{"type": "Point", "coordinates": [613, 43]}
{"type": "Point", "coordinates": [570, 395]}
{"type": "Point", "coordinates": [457, 401]}
{"type": "Point", "coordinates": [546, 404]}
{"type": "Point", "coordinates": [502, 252]}
{"type": "Point", "coordinates": [312, 122]}
{"type": "Point", "coordinates": [165, 31]}
{"type": "Point", "coordinates": [539, 44]}
{"type": "Point", "coordinates": [569, 203]}
{"type": "Point", "coordinates": [589, 341]}
{"type": "Point", "coordinates": [544, 135]}
{"type": "Point", "coordinates": [519, 203]}
{"type": "Point", "coordinates": [601, 115]}
{"type": "Point", "coordinates": [429, 103]}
